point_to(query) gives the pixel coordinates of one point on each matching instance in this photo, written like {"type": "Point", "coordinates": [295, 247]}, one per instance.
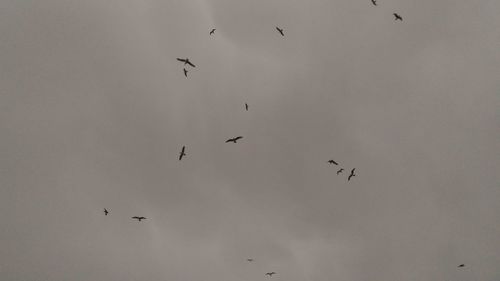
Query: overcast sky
{"type": "Point", "coordinates": [94, 109]}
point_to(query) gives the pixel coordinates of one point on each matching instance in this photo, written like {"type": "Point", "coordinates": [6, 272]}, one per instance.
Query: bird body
{"type": "Point", "coordinates": [332, 162]}
{"type": "Point", "coordinates": [185, 72]}
{"type": "Point", "coordinates": [462, 265]}
{"type": "Point", "coordinates": [351, 175]}
{"type": "Point", "coordinates": [182, 153]}
{"type": "Point", "coordinates": [212, 31]}
{"type": "Point", "coordinates": [105, 212]}
{"type": "Point", "coordinates": [340, 171]}
{"type": "Point", "coordinates": [250, 260]}
{"type": "Point", "coordinates": [246, 106]}
{"type": "Point", "coordinates": [139, 218]}
{"type": "Point", "coordinates": [186, 61]}
{"type": "Point", "coordinates": [280, 30]}
{"type": "Point", "coordinates": [270, 274]}
{"type": "Point", "coordinates": [374, 2]}
{"type": "Point", "coordinates": [397, 17]}
{"type": "Point", "coordinates": [234, 139]}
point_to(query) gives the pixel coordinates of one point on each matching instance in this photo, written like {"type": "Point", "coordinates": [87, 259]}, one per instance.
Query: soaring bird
{"type": "Point", "coordinates": [105, 212]}
{"type": "Point", "coordinates": [340, 171]}
{"type": "Point", "coordinates": [374, 2]}
{"type": "Point", "coordinates": [332, 162]}
{"type": "Point", "coordinates": [280, 30]}
{"type": "Point", "coordinates": [351, 175]}
{"type": "Point", "coordinates": [397, 17]}
{"type": "Point", "coordinates": [462, 265]}
{"type": "Point", "coordinates": [186, 61]}
{"type": "Point", "coordinates": [246, 106]}
{"type": "Point", "coordinates": [185, 72]}
{"type": "Point", "coordinates": [250, 260]}
{"type": "Point", "coordinates": [271, 274]}
{"type": "Point", "coordinates": [212, 31]}
{"type": "Point", "coordinates": [234, 139]}
{"type": "Point", "coordinates": [139, 218]}
{"type": "Point", "coordinates": [183, 153]}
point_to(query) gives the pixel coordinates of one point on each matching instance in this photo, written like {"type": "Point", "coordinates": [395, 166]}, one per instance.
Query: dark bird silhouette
{"type": "Point", "coordinates": [246, 106]}
{"type": "Point", "coordinates": [271, 274]}
{"type": "Point", "coordinates": [105, 212]}
{"type": "Point", "coordinates": [374, 2]}
{"type": "Point", "coordinates": [139, 218]}
{"type": "Point", "coordinates": [250, 260]}
{"type": "Point", "coordinates": [182, 154]}
{"type": "Point", "coordinates": [212, 31]}
{"type": "Point", "coordinates": [332, 162]}
{"type": "Point", "coordinates": [351, 175]}
{"type": "Point", "coordinates": [340, 171]}
{"type": "Point", "coordinates": [234, 139]}
{"type": "Point", "coordinates": [397, 17]}
{"type": "Point", "coordinates": [462, 265]}
{"type": "Point", "coordinates": [186, 61]}
{"type": "Point", "coordinates": [280, 30]}
{"type": "Point", "coordinates": [185, 72]}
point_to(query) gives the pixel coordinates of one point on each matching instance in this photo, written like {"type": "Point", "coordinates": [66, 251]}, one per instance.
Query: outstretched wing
{"type": "Point", "coordinates": [182, 60]}
{"type": "Point", "coordinates": [185, 72]}
{"type": "Point", "coordinates": [188, 62]}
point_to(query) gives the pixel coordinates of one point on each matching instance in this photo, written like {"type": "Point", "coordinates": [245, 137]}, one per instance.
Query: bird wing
{"type": "Point", "coordinates": [185, 72]}
{"type": "Point", "coordinates": [237, 138]}
{"type": "Point", "coordinates": [188, 62]}
{"type": "Point", "coordinates": [183, 60]}
{"type": "Point", "coordinates": [135, 218]}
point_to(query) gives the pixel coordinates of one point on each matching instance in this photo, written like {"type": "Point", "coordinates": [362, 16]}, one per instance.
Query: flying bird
{"type": "Point", "coordinates": [397, 17]}
{"type": "Point", "coordinates": [332, 162]}
{"type": "Point", "coordinates": [340, 171]}
{"type": "Point", "coordinates": [351, 175]}
{"type": "Point", "coordinates": [139, 218]}
{"type": "Point", "coordinates": [212, 31]}
{"type": "Point", "coordinates": [280, 30]}
{"type": "Point", "coordinates": [271, 274]}
{"type": "Point", "coordinates": [250, 260]}
{"type": "Point", "coordinates": [462, 265]}
{"type": "Point", "coordinates": [105, 212]}
{"type": "Point", "coordinates": [246, 106]}
{"type": "Point", "coordinates": [234, 139]}
{"type": "Point", "coordinates": [183, 153]}
{"type": "Point", "coordinates": [374, 2]}
{"type": "Point", "coordinates": [186, 61]}
{"type": "Point", "coordinates": [185, 72]}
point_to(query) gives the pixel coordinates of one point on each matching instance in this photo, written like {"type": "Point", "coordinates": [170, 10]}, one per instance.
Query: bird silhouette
{"type": "Point", "coordinates": [280, 30]}
{"type": "Point", "coordinates": [212, 31]}
{"type": "Point", "coordinates": [340, 171]}
{"type": "Point", "coordinates": [271, 274]}
{"type": "Point", "coordinates": [250, 260]}
{"type": "Point", "coordinates": [332, 162]}
{"type": "Point", "coordinates": [462, 265]}
{"type": "Point", "coordinates": [246, 106]}
{"type": "Point", "coordinates": [185, 72]}
{"type": "Point", "coordinates": [182, 154]}
{"type": "Point", "coordinates": [234, 139]}
{"type": "Point", "coordinates": [351, 175]}
{"type": "Point", "coordinates": [397, 17]}
{"type": "Point", "coordinates": [186, 61]}
{"type": "Point", "coordinates": [374, 2]}
{"type": "Point", "coordinates": [139, 218]}
{"type": "Point", "coordinates": [105, 212]}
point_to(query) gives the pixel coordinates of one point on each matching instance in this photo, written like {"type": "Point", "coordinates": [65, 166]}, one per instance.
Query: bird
{"type": "Point", "coordinates": [332, 162]}
{"type": "Point", "coordinates": [351, 175]}
{"type": "Point", "coordinates": [105, 212]}
{"type": "Point", "coordinates": [186, 61]}
{"type": "Point", "coordinates": [374, 2]}
{"type": "Point", "coordinates": [234, 139]}
{"type": "Point", "coordinates": [280, 30]}
{"type": "Point", "coordinates": [250, 260]}
{"type": "Point", "coordinates": [182, 154]}
{"type": "Point", "coordinates": [212, 31]}
{"type": "Point", "coordinates": [462, 265]}
{"type": "Point", "coordinates": [139, 218]}
{"type": "Point", "coordinates": [185, 72]}
{"type": "Point", "coordinates": [397, 17]}
{"type": "Point", "coordinates": [246, 106]}
{"type": "Point", "coordinates": [340, 171]}
{"type": "Point", "coordinates": [271, 274]}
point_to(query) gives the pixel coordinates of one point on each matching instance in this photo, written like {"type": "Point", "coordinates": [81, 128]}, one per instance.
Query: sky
{"type": "Point", "coordinates": [94, 109]}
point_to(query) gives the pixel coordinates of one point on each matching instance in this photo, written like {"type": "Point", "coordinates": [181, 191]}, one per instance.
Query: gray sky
{"type": "Point", "coordinates": [94, 109]}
